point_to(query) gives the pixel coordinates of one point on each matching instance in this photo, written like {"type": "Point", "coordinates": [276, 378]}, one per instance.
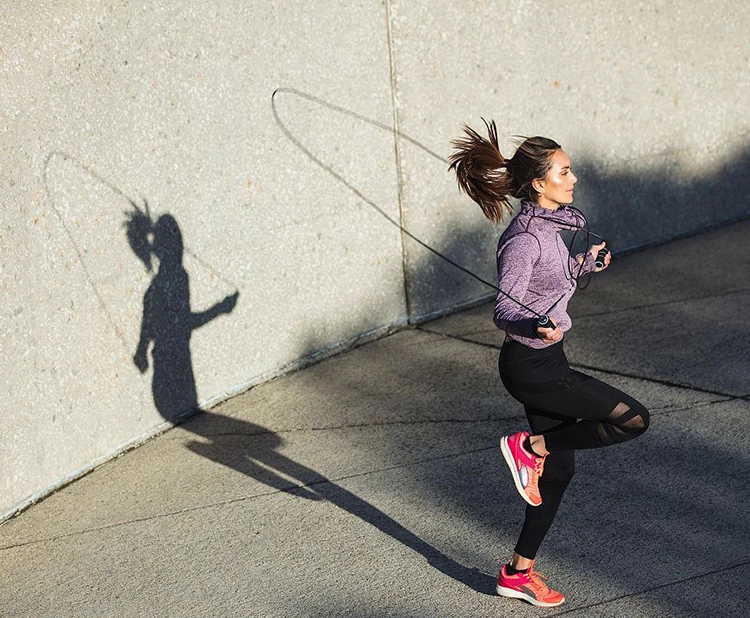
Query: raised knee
{"type": "Point", "coordinates": [641, 420]}
{"type": "Point", "coordinates": [628, 421]}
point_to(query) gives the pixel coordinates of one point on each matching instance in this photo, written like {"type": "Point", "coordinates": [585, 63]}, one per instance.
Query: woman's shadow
{"type": "Point", "coordinates": [168, 320]}
{"type": "Point", "coordinates": [166, 328]}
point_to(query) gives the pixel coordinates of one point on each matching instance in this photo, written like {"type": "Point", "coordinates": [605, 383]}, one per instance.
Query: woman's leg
{"type": "Point", "coordinates": [517, 579]}
{"type": "Point", "coordinates": [559, 468]}
{"type": "Point", "coordinates": [608, 416]}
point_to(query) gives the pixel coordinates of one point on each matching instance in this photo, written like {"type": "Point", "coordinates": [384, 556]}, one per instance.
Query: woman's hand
{"type": "Point", "coordinates": [550, 335]}
{"type": "Point", "coordinates": [595, 249]}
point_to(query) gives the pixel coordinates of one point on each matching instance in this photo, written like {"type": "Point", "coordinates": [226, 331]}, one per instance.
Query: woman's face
{"type": "Point", "coordinates": [557, 187]}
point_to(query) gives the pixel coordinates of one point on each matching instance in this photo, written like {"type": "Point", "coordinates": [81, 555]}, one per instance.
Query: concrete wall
{"type": "Point", "coordinates": [111, 108]}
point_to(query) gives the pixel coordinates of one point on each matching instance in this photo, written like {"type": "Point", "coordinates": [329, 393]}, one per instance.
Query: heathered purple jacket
{"type": "Point", "coordinates": [534, 266]}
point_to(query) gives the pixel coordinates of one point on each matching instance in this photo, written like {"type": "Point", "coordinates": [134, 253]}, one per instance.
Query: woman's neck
{"type": "Point", "coordinates": [547, 204]}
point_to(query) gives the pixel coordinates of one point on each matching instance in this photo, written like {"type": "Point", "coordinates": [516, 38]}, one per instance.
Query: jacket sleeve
{"type": "Point", "coordinates": [515, 263]}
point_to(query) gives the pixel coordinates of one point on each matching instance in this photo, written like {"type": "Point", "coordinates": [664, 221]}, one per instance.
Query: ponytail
{"type": "Point", "coordinates": [490, 179]}
{"type": "Point", "coordinates": [482, 172]}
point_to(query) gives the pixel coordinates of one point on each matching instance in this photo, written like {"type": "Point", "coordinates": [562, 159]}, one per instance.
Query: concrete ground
{"type": "Point", "coordinates": [371, 484]}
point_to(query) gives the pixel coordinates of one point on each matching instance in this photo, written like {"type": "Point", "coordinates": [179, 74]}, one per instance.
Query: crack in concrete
{"type": "Point", "coordinates": [650, 589]}
{"type": "Point", "coordinates": [622, 374]}
{"type": "Point", "coordinates": [668, 383]}
{"type": "Point", "coordinates": [690, 406]}
{"type": "Point", "coordinates": [292, 489]}
{"type": "Point", "coordinates": [666, 409]}
{"type": "Point", "coordinates": [661, 382]}
{"type": "Point", "coordinates": [427, 421]}
{"type": "Point", "coordinates": [580, 316]}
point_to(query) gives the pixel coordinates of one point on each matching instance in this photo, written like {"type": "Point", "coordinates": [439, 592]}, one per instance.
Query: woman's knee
{"type": "Point", "coordinates": [641, 419]}
{"type": "Point", "coordinates": [632, 419]}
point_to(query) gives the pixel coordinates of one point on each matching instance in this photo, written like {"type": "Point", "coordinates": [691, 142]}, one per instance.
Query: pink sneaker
{"type": "Point", "coordinates": [528, 587]}
{"type": "Point", "coordinates": [525, 467]}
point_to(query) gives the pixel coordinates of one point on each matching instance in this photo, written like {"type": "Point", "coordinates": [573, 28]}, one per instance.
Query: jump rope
{"type": "Point", "coordinates": [543, 319]}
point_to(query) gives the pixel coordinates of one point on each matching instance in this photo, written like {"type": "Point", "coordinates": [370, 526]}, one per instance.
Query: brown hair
{"type": "Point", "coordinates": [490, 179]}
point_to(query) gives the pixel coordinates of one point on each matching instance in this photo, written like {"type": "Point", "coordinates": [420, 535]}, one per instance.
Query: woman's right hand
{"type": "Point", "coordinates": [227, 305]}
{"type": "Point", "coordinates": [550, 335]}
{"type": "Point", "coordinates": [594, 251]}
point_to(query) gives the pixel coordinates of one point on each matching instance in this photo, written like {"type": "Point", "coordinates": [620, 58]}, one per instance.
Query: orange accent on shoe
{"type": "Point", "coordinates": [532, 489]}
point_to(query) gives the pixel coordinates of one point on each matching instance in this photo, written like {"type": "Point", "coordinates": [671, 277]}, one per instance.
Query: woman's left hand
{"type": "Point", "coordinates": [595, 249]}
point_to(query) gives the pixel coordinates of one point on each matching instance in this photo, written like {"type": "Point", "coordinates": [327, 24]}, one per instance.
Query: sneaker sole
{"type": "Point", "coordinates": [515, 594]}
{"type": "Point", "coordinates": [508, 456]}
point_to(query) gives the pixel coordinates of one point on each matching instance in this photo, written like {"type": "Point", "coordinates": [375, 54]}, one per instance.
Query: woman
{"type": "Point", "coordinates": [566, 409]}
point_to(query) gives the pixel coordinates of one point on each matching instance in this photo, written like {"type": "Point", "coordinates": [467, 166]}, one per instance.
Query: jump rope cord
{"type": "Point", "coordinates": [363, 197]}
{"type": "Point", "coordinates": [290, 136]}
{"type": "Point", "coordinates": [583, 226]}
{"type": "Point", "coordinates": [589, 234]}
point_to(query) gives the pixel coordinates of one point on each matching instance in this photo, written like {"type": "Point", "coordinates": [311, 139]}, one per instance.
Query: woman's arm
{"type": "Point", "coordinates": [140, 358]}
{"type": "Point", "coordinates": [515, 264]}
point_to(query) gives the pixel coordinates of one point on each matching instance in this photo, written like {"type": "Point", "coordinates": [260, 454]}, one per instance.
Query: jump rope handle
{"type": "Point", "coordinates": [599, 261]}
{"type": "Point", "coordinates": [543, 321]}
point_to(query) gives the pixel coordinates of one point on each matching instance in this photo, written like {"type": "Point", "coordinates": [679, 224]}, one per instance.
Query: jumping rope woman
{"type": "Point", "coordinates": [566, 410]}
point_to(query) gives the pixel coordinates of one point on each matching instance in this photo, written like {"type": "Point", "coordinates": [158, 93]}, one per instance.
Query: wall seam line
{"type": "Point", "coordinates": [397, 154]}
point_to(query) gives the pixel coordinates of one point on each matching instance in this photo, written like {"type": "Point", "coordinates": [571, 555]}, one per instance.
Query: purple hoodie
{"type": "Point", "coordinates": [534, 266]}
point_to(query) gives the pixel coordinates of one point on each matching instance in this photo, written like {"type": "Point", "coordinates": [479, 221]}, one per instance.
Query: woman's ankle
{"type": "Point", "coordinates": [538, 446]}
{"type": "Point", "coordinates": [519, 563]}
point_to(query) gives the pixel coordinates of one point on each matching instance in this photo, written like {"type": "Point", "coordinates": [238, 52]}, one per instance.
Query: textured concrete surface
{"type": "Point", "coordinates": [371, 484]}
{"type": "Point", "coordinates": [111, 109]}
{"type": "Point", "coordinates": [110, 104]}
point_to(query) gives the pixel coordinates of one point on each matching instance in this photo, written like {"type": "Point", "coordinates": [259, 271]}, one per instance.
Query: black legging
{"type": "Point", "coordinates": [555, 397]}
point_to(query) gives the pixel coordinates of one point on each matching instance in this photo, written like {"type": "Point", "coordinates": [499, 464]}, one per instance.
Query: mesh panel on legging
{"type": "Point", "coordinates": [558, 470]}
{"type": "Point", "coordinates": [624, 422]}
{"type": "Point", "coordinates": [608, 416]}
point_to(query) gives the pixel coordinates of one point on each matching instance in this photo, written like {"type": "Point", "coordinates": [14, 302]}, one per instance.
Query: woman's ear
{"type": "Point", "coordinates": [538, 186]}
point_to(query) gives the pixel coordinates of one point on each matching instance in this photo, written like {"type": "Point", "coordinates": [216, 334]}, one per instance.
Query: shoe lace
{"type": "Point", "coordinates": [539, 465]}
{"type": "Point", "coordinates": [538, 579]}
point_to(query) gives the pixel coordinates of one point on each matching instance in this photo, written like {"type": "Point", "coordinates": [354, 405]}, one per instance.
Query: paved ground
{"type": "Point", "coordinates": [371, 485]}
